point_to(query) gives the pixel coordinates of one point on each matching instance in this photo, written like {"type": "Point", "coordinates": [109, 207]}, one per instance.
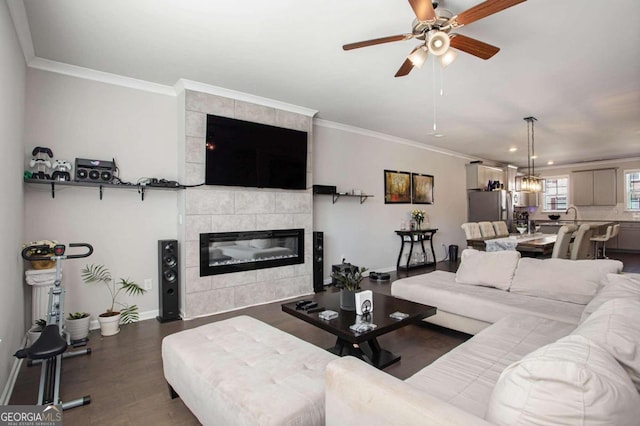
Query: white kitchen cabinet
{"type": "Point", "coordinates": [479, 175]}
{"type": "Point", "coordinates": [629, 236]}
{"type": "Point", "coordinates": [594, 187]}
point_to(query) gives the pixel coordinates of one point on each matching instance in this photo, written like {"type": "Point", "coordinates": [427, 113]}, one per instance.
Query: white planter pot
{"type": "Point", "coordinates": [77, 328]}
{"type": "Point", "coordinates": [32, 336]}
{"type": "Point", "coordinates": [109, 325]}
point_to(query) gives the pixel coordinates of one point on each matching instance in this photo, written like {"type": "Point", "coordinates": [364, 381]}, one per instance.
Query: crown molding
{"type": "Point", "coordinates": [370, 133]}
{"type": "Point", "coordinates": [100, 76]}
{"type": "Point", "coordinates": [21, 24]}
{"type": "Point", "coordinates": [184, 84]}
{"type": "Point", "coordinates": [590, 163]}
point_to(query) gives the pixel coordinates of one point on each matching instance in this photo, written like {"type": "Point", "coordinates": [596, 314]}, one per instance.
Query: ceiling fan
{"type": "Point", "coordinates": [434, 27]}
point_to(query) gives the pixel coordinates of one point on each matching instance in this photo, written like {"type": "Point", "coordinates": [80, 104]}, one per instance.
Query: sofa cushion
{"type": "Point", "coordinates": [465, 376]}
{"type": "Point", "coordinates": [494, 269]}
{"type": "Point", "coordinates": [575, 281]}
{"type": "Point", "coordinates": [439, 288]}
{"type": "Point", "coordinates": [616, 327]}
{"type": "Point", "coordinates": [570, 382]}
{"type": "Point", "coordinates": [617, 286]}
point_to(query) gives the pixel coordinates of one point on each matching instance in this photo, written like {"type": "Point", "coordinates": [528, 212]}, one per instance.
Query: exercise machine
{"type": "Point", "coordinates": [51, 346]}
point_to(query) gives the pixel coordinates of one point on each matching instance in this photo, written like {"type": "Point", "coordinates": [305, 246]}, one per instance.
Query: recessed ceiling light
{"type": "Point", "coordinates": [437, 135]}
{"type": "Point", "coordinates": [549, 163]}
{"type": "Point", "coordinates": [513, 149]}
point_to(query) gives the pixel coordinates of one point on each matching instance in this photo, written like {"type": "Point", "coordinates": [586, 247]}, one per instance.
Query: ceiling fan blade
{"type": "Point", "coordinates": [406, 66]}
{"type": "Point", "coordinates": [375, 41]}
{"type": "Point", "coordinates": [423, 9]}
{"type": "Point", "coordinates": [483, 10]}
{"type": "Point", "coordinates": [473, 47]}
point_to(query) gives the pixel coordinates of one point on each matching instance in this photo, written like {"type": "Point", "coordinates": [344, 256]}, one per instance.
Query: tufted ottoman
{"type": "Point", "coordinates": [241, 371]}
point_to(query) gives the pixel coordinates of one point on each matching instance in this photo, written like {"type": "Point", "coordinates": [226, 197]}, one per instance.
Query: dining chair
{"type": "Point", "coordinates": [486, 229]}
{"type": "Point", "coordinates": [563, 238]}
{"type": "Point", "coordinates": [602, 238]}
{"type": "Point", "coordinates": [500, 228]}
{"type": "Point", "coordinates": [581, 243]}
{"type": "Point", "coordinates": [471, 231]}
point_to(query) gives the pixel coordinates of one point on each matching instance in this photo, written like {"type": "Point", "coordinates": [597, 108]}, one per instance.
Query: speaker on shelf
{"type": "Point", "coordinates": [168, 281]}
{"type": "Point", "coordinates": [318, 261]}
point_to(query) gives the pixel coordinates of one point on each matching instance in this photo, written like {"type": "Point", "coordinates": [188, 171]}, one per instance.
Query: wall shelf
{"type": "Point", "coordinates": [101, 186]}
{"type": "Point", "coordinates": [363, 197]}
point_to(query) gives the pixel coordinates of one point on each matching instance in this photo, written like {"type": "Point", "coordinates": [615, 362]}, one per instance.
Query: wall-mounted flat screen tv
{"type": "Point", "coordinates": [242, 153]}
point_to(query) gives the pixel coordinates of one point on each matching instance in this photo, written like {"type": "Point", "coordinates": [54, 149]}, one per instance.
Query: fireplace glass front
{"type": "Point", "coordinates": [224, 252]}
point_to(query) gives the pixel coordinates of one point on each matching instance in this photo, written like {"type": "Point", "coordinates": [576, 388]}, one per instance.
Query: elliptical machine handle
{"type": "Point", "coordinates": [25, 256]}
{"type": "Point", "coordinates": [88, 253]}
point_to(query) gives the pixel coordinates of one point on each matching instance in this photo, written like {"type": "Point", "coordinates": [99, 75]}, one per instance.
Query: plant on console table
{"type": "Point", "coordinates": [418, 216]}
{"type": "Point", "coordinates": [349, 282]}
{"type": "Point", "coordinates": [125, 314]}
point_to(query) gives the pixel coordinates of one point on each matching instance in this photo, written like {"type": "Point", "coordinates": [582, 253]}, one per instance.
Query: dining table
{"type": "Point", "coordinates": [530, 244]}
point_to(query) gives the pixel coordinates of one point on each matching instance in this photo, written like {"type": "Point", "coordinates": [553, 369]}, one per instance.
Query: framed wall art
{"type": "Point", "coordinates": [397, 187]}
{"type": "Point", "coordinates": [421, 188]}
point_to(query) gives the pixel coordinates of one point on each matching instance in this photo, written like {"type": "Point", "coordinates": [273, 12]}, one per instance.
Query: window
{"type": "Point", "coordinates": [632, 190]}
{"type": "Point", "coordinates": [555, 195]}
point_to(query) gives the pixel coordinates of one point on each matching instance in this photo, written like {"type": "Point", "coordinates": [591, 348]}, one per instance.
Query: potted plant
{"type": "Point", "coordinates": [349, 282]}
{"type": "Point", "coordinates": [110, 319]}
{"type": "Point", "coordinates": [77, 325]}
{"type": "Point", "coordinates": [34, 332]}
{"type": "Point", "coordinates": [44, 249]}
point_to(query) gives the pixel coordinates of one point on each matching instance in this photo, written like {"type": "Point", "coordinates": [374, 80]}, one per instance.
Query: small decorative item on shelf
{"type": "Point", "coordinates": [349, 282]}
{"type": "Point", "coordinates": [419, 216]}
{"type": "Point", "coordinates": [44, 249]}
{"type": "Point", "coordinates": [110, 320]}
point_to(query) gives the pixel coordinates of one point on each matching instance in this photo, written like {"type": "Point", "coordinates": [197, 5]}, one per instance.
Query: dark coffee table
{"type": "Point", "coordinates": [362, 345]}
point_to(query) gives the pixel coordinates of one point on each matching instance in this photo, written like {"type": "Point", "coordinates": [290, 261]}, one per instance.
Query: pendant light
{"type": "Point", "coordinates": [530, 182]}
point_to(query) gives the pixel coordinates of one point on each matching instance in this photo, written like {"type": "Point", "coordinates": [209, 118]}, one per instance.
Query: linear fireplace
{"type": "Point", "coordinates": [224, 252]}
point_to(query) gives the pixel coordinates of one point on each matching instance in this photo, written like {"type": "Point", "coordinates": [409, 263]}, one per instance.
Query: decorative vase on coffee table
{"type": "Point", "coordinates": [347, 299]}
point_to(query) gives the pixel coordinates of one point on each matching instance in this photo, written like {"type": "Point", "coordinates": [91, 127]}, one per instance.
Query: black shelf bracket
{"type": "Point", "coordinates": [101, 186]}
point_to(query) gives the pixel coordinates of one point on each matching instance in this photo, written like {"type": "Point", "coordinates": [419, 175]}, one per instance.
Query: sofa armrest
{"type": "Point", "coordinates": [357, 393]}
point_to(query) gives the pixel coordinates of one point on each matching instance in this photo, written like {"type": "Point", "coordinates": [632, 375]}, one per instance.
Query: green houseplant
{"type": "Point", "coordinates": [34, 332]}
{"type": "Point", "coordinates": [349, 282]}
{"type": "Point", "coordinates": [77, 325]}
{"type": "Point", "coordinates": [112, 317]}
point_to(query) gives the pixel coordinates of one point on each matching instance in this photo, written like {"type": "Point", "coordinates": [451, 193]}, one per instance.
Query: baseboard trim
{"type": "Point", "coordinates": [13, 377]}
{"type": "Point", "coordinates": [95, 325]}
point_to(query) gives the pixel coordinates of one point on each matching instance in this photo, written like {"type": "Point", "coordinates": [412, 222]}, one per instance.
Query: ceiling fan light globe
{"type": "Point", "coordinates": [419, 57]}
{"type": "Point", "coordinates": [449, 56]}
{"type": "Point", "coordinates": [438, 42]}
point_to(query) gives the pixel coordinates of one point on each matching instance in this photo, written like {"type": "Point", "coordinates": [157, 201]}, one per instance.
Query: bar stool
{"type": "Point", "coordinates": [602, 239]}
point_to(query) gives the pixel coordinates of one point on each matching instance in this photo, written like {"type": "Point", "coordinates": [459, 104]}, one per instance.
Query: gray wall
{"type": "Point", "coordinates": [12, 87]}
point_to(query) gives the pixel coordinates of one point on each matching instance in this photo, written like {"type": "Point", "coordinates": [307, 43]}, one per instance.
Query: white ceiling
{"type": "Point", "coordinates": [573, 64]}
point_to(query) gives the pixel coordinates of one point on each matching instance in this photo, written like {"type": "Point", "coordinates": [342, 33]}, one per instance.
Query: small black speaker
{"type": "Point", "coordinates": [168, 281]}
{"type": "Point", "coordinates": [318, 261]}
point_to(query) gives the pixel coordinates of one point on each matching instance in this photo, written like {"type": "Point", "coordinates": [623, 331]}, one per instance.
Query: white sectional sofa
{"type": "Point", "coordinates": [552, 352]}
{"type": "Point", "coordinates": [490, 286]}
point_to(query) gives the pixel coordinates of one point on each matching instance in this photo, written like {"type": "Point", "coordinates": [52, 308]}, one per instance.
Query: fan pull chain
{"type": "Point", "coordinates": [433, 63]}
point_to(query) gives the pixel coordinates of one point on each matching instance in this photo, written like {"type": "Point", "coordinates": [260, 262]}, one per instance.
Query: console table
{"type": "Point", "coordinates": [419, 235]}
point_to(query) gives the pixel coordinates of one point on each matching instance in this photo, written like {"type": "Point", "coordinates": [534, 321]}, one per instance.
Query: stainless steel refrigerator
{"type": "Point", "coordinates": [490, 206]}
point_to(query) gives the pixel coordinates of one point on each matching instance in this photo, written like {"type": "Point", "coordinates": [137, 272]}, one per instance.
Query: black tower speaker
{"type": "Point", "coordinates": [318, 261]}
{"type": "Point", "coordinates": [168, 280]}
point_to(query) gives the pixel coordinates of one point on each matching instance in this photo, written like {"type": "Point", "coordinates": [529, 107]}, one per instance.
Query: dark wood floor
{"type": "Point", "coordinates": [124, 376]}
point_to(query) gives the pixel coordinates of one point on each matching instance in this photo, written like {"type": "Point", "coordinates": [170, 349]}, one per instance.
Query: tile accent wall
{"type": "Point", "coordinates": [225, 209]}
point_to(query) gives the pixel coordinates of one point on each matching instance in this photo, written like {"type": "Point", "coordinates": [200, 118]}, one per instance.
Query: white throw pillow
{"type": "Point", "coordinates": [494, 269]}
{"type": "Point", "coordinates": [618, 286]}
{"type": "Point", "coordinates": [615, 326]}
{"type": "Point", "coordinates": [570, 382]}
{"type": "Point", "coordinates": [575, 281]}
{"type": "Point", "coordinates": [260, 243]}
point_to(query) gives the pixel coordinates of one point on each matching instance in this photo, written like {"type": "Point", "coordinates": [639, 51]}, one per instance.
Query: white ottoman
{"type": "Point", "coordinates": [241, 371]}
